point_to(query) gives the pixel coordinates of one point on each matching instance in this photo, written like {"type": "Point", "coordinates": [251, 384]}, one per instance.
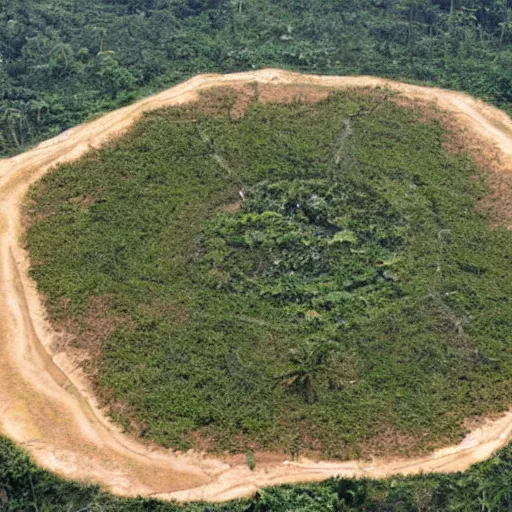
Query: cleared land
{"type": "Point", "coordinates": [354, 303]}
{"type": "Point", "coordinates": [481, 116]}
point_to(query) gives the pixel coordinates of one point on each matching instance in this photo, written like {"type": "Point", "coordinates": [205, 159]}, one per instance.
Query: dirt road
{"type": "Point", "coordinates": [45, 405]}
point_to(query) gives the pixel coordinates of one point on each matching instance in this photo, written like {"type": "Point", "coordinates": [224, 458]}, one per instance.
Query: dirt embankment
{"type": "Point", "coordinates": [46, 406]}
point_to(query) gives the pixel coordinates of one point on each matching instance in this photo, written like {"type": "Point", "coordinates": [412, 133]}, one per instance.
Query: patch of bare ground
{"type": "Point", "coordinates": [231, 207]}
{"type": "Point", "coordinates": [207, 444]}
{"type": "Point", "coordinates": [216, 101]}
{"type": "Point", "coordinates": [391, 442]}
{"type": "Point", "coordinates": [246, 96]}
{"type": "Point", "coordinates": [261, 458]}
{"type": "Point", "coordinates": [233, 101]}
{"type": "Point", "coordinates": [237, 99]}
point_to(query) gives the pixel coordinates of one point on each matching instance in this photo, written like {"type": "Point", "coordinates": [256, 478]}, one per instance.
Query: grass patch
{"type": "Point", "coordinates": [356, 301]}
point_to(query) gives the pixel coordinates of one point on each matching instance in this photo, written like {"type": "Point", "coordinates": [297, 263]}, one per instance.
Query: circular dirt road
{"type": "Point", "coordinates": [46, 405]}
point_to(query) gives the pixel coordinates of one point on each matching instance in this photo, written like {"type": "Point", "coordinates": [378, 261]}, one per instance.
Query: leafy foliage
{"type": "Point", "coordinates": [304, 244]}
{"type": "Point", "coordinates": [64, 60]}
{"type": "Point", "coordinates": [357, 291]}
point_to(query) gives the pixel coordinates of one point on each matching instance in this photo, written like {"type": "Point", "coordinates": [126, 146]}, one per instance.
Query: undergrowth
{"type": "Point", "coordinates": [305, 278]}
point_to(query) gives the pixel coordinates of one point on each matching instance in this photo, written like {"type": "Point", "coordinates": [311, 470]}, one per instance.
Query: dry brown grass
{"type": "Point", "coordinates": [246, 96]}
{"type": "Point", "coordinates": [287, 94]}
{"type": "Point", "coordinates": [85, 337]}
{"type": "Point", "coordinates": [458, 139]}
{"type": "Point", "coordinates": [231, 207]}
{"type": "Point", "coordinates": [83, 201]}
{"type": "Point", "coordinates": [391, 442]}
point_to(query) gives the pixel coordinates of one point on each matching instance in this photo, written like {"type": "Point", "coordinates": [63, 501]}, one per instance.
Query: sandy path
{"type": "Point", "coordinates": [46, 407]}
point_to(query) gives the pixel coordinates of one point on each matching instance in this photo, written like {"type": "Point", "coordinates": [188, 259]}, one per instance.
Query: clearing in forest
{"type": "Point", "coordinates": [279, 269]}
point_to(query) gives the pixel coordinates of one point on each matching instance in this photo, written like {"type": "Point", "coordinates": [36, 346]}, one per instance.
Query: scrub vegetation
{"type": "Point", "coordinates": [305, 277]}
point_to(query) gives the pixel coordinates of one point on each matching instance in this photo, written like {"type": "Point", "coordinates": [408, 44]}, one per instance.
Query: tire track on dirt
{"type": "Point", "coordinates": [46, 405]}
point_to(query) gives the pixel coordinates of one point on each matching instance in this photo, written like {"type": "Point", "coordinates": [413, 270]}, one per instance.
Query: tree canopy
{"type": "Point", "coordinates": [64, 60]}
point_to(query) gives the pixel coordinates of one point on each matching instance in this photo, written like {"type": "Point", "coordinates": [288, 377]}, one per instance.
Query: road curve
{"type": "Point", "coordinates": [45, 404]}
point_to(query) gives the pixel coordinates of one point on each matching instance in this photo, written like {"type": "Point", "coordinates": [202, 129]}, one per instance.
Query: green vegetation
{"type": "Point", "coordinates": [64, 60]}
{"type": "Point", "coordinates": [484, 488]}
{"type": "Point", "coordinates": [356, 301]}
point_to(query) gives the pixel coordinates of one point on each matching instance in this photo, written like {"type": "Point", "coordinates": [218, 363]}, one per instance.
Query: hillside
{"type": "Point", "coordinates": [135, 256]}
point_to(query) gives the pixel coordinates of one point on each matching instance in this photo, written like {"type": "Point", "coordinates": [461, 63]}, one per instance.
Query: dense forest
{"type": "Point", "coordinates": [62, 61]}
